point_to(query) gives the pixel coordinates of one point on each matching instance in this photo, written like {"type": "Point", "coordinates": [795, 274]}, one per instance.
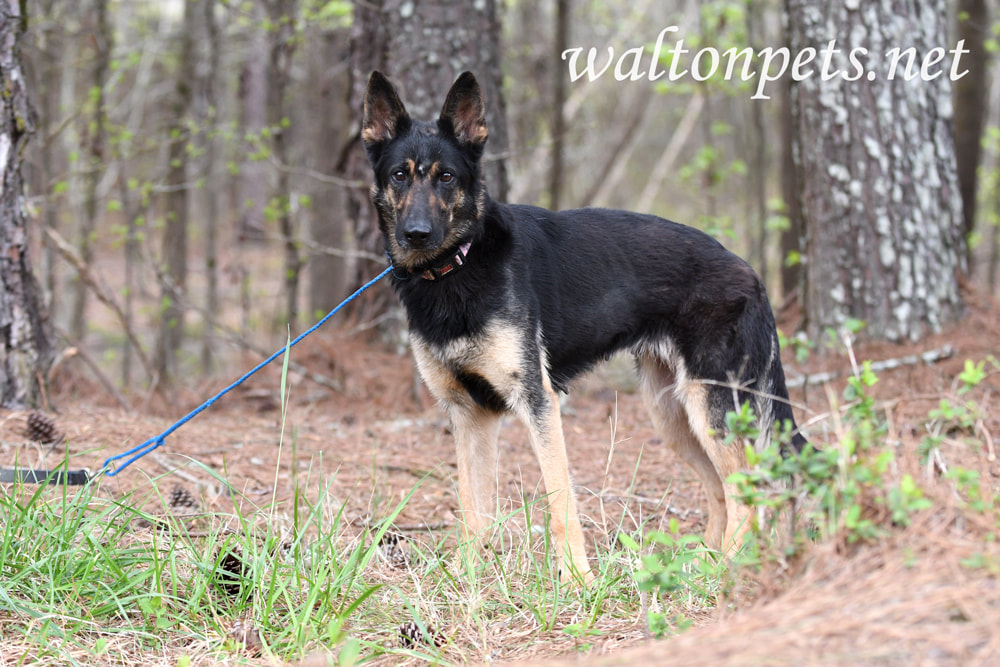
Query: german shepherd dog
{"type": "Point", "coordinates": [506, 304]}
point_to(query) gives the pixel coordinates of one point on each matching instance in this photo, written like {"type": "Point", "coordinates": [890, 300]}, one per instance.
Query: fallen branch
{"type": "Point", "coordinates": [929, 357]}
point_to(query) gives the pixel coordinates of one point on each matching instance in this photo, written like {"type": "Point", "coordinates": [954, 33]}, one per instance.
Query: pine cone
{"type": "Point", "coordinates": [410, 635]}
{"type": "Point", "coordinates": [393, 550]}
{"type": "Point", "coordinates": [180, 499]}
{"type": "Point", "coordinates": [42, 429]}
{"type": "Point", "coordinates": [232, 572]}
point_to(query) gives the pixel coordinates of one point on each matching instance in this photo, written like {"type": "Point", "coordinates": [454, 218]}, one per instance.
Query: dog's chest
{"type": "Point", "coordinates": [495, 358]}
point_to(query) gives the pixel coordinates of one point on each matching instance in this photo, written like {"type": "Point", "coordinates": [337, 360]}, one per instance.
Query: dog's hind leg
{"type": "Point", "coordinates": [670, 418]}
{"type": "Point", "coordinates": [727, 459]}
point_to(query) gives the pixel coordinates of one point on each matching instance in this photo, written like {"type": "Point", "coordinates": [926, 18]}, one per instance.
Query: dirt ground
{"type": "Point", "coordinates": [374, 440]}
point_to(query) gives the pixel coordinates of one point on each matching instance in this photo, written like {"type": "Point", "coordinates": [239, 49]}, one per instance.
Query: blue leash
{"type": "Point", "coordinates": [151, 444]}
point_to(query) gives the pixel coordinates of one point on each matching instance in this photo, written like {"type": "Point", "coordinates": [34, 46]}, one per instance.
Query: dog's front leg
{"type": "Point", "coordinates": [476, 430]}
{"type": "Point", "coordinates": [545, 431]}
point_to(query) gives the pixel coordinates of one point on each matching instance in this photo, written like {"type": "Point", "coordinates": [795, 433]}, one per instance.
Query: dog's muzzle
{"type": "Point", "coordinates": [417, 234]}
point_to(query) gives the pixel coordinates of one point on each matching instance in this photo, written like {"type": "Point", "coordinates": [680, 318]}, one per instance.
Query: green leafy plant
{"type": "Point", "coordinates": [671, 564]}
{"type": "Point", "coordinates": [844, 484]}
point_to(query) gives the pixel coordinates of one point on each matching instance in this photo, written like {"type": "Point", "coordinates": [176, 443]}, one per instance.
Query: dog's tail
{"type": "Point", "coordinates": [780, 403]}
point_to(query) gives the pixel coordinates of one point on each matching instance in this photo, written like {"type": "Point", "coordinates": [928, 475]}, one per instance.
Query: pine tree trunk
{"type": "Point", "coordinates": [793, 238]}
{"type": "Point", "coordinates": [208, 117]}
{"type": "Point", "coordinates": [560, 43]}
{"type": "Point", "coordinates": [25, 330]}
{"type": "Point", "coordinates": [877, 174]}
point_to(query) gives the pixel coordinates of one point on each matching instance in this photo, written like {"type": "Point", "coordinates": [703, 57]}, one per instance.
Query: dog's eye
{"type": "Point", "coordinates": [399, 175]}
{"type": "Point", "coordinates": [447, 177]}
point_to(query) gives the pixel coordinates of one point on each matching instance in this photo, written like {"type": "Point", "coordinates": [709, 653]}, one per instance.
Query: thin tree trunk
{"type": "Point", "coordinates": [47, 84]}
{"type": "Point", "coordinates": [25, 330]}
{"type": "Point", "coordinates": [993, 272]}
{"type": "Point", "coordinates": [971, 95]}
{"type": "Point", "coordinates": [879, 189]}
{"type": "Point", "coordinates": [132, 207]}
{"type": "Point", "coordinates": [561, 42]}
{"type": "Point", "coordinates": [615, 162]}
{"type": "Point", "coordinates": [95, 165]}
{"type": "Point", "coordinates": [252, 186]}
{"type": "Point", "coordinates": [328, 224]}
{"type": "Point", "coordinates": [175, 230]}
{"type": "Point", "coordinates": [792, 238]}
{"type": "Point", "coordinates": [207, 116]}
{"type": "Point", "coordinates": [282, 49]}
{"type": "Point", "coordinates": [758, 173]}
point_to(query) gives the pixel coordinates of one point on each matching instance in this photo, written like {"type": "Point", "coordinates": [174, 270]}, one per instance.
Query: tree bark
{"type": "Point", "coordinates": [207, 115]}
{"type": "Point", "coordinates": [25, 330]}
{"type": "Point", "coordinates": [558, 103]}
{"type": "Point", "coordinates": [792, 238]}
{"type": "Point", "coordinates": [878, 184]}
{"type": "Point", "coordinates": [758, 173]}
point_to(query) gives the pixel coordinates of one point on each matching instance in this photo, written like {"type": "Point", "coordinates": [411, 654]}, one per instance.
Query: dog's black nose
{"type": "Point", "coordinates": [417, 234]}
{"type": "Point", "coordinates": [418, 237]}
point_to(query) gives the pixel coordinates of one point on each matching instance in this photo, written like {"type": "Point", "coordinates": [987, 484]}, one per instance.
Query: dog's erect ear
{"type": "Point", "coordinates": [385, 115]}
{"type": "Point", "coordinates": [464, 113]}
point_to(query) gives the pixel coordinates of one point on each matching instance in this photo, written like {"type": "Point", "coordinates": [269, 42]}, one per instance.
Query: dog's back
{"type": "Point", "coordinates": [604, 280]}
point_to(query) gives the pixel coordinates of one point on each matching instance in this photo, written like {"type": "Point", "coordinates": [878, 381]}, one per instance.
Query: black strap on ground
{"type": "Point", "coordinates": [36, 476]}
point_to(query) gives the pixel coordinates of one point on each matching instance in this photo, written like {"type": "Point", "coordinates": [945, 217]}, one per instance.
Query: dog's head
{"type": "Point", "coordinates": [429, 191]}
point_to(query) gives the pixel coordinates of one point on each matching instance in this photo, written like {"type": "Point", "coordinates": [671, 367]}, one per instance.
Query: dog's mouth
{"type": "Point", "coordinates": [413, 257]}
{"type": "Point", "coordinates": [418, 255]}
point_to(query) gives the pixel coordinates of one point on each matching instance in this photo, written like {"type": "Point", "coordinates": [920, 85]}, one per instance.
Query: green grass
{"type": "Point", "coordinates": [85, 578]}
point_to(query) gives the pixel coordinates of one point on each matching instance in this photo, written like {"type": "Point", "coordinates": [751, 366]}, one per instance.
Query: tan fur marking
{"type": "Point", "coordinates": [671, 422]}
{"type": "Point", "coordinates": [726, 459]}
{"type": "Point", "coordinates": [439, 380]}
{"type": "Point", "coordinates": [407, 201]}
{"type": "Point", "coordinates": [494, 355]}
{"type": "Point", "coordinates": [564, 520]}
{"type": "Point", "coordinates": [476, 431]}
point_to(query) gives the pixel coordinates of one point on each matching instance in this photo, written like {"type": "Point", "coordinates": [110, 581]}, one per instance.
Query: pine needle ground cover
{"type": "Point", "coordinates": [297, 532]}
